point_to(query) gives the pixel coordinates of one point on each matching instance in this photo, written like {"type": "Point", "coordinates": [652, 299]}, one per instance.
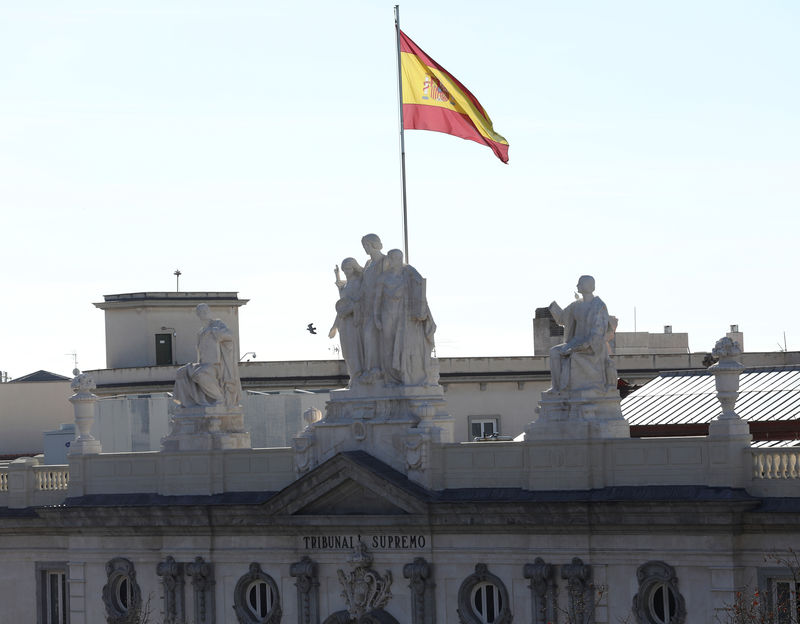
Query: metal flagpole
{"type": "Point", "coordinates": [402, 135]}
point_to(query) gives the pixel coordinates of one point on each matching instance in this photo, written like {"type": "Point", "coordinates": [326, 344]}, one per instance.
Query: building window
{"type": "Point", "coordinates": [483, 599]}
{"type": "Point", "coordinates": [663, 604]}
{"type": "Point", "coordinates": [483, 427]}
{"type": "Point", "coordinates": [487, 602]}
{"type": "Point", "coordinates": [53, 593]}
{"type": "Point", "coordinates": [784, 600]}
{"type": "Point", "coordinates": [255, 598]}
{"type": "Point", "coordinates": [259, 598]}
{"type": "Point", "coordinates": [658, 600]}
{"type": "Point", "coordinates": [121, 594]}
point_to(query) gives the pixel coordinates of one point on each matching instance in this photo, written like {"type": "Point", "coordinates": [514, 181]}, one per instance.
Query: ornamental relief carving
{"type": "Point", "coordinates": [121, 594]}
{"type": "Point", "coordinates": [363, 589]}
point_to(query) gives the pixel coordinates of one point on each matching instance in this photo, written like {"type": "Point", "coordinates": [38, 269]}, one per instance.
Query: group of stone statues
{"type": "Point", "coordinates": [383, 320]}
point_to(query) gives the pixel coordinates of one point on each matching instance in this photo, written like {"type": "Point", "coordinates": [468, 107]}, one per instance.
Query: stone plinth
{"type": "Point", "coordinates": [208, 428]}
{"type": "Point", "coordinates": [379, 420]}
{"type": "Point", "coordinates": [84, 403]}
{"type": "Point", "coordinates": [84, 443]}
{"type": "Point", "coordinates": [578, 414]}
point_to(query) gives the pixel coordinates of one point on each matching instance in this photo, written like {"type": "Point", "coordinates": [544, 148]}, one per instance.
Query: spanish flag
{"type": "Point", "coordinates": [433, 99]}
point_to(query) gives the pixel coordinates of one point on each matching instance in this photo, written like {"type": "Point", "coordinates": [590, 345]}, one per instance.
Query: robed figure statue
{"type": "Point", "coordinates": [582, 362]}
{"type": "Point", "coordinates": [406, 327]}
{"type": "Point", "coordinates": [214, 378]}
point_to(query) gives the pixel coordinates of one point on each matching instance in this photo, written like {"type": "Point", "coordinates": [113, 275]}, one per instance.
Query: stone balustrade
{"type": "Point", "coordinates": [776, 463]}
{"type": "Point", "coordinates": [26, 483]}
{"type": "Point", "coordinates": [51, 477]}
{"type": "Point", "coordinates": [526, 465]}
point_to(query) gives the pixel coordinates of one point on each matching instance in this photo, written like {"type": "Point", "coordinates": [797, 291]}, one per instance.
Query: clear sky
{"type": "Point", "coordinates": [252, 144]}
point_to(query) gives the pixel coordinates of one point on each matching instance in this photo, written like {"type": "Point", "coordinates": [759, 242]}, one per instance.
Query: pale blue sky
{"type": "Point", "coordinates": [252, 144]}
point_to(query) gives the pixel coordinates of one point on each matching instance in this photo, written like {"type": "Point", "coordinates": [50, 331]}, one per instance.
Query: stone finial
{"type": "Point", "coordinates": [726, 349]}
{"type": "Point", "coordinates": [82, 384]}
{"type": "Point", "coordinates": [726, 375]}
{"type": "Point", "coordinates": [311, 416]}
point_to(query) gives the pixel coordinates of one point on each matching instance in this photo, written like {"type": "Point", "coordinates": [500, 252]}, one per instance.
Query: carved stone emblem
{"type": "Point", "coordinates": [364, 589]}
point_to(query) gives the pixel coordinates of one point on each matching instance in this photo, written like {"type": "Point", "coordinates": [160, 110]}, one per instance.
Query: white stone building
{"type": "Point", "coordinates": [379, 514]}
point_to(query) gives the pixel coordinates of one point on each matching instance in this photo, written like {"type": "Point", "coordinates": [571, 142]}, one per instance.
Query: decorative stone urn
{"type": "Point", "coordinates": [83, 402]}
{"type": "Point", "coordinates": [726, 375]}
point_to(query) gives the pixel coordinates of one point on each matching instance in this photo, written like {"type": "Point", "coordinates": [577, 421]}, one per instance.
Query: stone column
{"type": "Point", "coordinates": [84, 404]}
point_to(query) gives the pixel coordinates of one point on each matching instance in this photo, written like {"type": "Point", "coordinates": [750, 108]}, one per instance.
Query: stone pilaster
{"type": "Point", "coordinates": [306, 573]}
{"type": "Point", "coordinates": [202, 574]}
{"type": "Point", "coordinates": [544, 598]}
{"type": "Point", "coordinates": [580, 591]}
{"type": "Point", "coordinates": [171, 573]}
{"type": "Point", "coordinates": [420, 575]}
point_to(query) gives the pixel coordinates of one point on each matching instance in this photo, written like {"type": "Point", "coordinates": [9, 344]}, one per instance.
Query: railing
{"type": "Point", "coordinates": [51, 477]}
{"type": "Point", "coordinates": [776, 463]}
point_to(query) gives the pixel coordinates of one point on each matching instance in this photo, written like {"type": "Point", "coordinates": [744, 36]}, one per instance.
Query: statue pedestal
{"type": "Point", "coordinates": [378, 420]}
{"type": "Point", "coordinates": [85, 447]}
{"type": "Point", "coordinates": [206, 429]}
{"type": "Point", "coordinates": [578, 415]}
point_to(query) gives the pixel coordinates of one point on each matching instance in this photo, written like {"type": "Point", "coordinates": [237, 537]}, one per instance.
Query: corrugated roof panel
{"type": "Point", "coordinates": [774, 443]}
{"type": "Point", "coordinates": [684, 397]}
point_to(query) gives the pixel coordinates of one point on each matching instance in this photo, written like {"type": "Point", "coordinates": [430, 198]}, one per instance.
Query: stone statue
{"type": "Point", "coordinates": [214, 378]}
{"type": "Point", "coordinates": [404, 322]}
{"type": "Point", "coordinates": [349, 316]}
{"type": "Point", "coordinates": [373, 269]}
{"type": "Point", "coordinates": [583, 361]}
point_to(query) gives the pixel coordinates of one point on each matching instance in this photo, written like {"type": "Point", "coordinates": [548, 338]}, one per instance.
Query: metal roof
{"type": "Point", "coordinates": [690, 397]}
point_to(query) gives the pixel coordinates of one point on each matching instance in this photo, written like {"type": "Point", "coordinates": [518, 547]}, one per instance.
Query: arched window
{"type": "Point", "coordinates": [658, 600]}
{"type": "Point", "coordinates": [663, 604]}
{"type": "Point", "coordinates": [483, 599]}
{"type": "Point", "coordinates": [259, 598]}
{"type": "Point", "coordinates": [256, 599]}
{"type": "Point", "coordinates": [487, 601]}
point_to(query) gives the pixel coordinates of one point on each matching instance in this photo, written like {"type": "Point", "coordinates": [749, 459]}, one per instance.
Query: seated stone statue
{"type": "Point", "coordinates": [214, 378]}
{"type": "Point", "coordinates": [582, 362]}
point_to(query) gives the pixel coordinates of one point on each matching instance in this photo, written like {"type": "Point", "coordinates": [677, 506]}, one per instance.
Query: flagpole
{"type": "Point", "coordinates": [402, 135]}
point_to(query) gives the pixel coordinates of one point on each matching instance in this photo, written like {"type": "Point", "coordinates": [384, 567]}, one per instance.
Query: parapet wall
{"type": "Point", "coordinates": [533, 466]}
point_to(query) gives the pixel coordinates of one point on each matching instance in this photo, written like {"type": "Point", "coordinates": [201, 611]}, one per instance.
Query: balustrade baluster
{"type": "Point", "coordinates": [770, 462]}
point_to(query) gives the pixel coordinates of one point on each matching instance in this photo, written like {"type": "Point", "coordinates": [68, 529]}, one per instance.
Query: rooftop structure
{"type": "Point", "coordinates": [158, 328]}
{"type": "Point", "coordinates": [375, 513]}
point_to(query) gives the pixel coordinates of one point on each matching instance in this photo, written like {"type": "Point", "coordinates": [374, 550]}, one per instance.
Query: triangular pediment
{"type": "Point", "coordinates": [351, 498]}
{"type": "Point", "coordinates": [351, 484]}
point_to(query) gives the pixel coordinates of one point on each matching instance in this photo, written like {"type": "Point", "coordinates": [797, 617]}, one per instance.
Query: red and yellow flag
{"type": "Point", "coordinates": [433, 99]}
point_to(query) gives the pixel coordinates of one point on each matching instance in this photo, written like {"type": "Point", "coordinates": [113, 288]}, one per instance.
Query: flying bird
{"type": "Point", "coordinates": [311, 328]}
